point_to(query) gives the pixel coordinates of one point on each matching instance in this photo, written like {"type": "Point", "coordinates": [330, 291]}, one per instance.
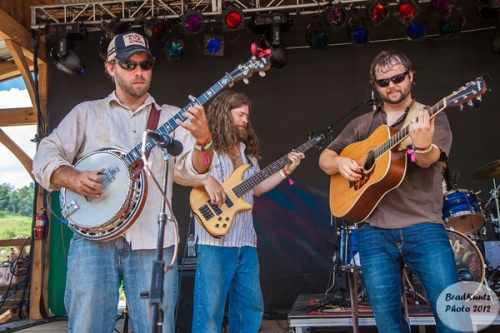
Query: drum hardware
{"type": "Point", "coordinates": [461, 211]}
{"type": "Point", "coordinates": [491, 171]}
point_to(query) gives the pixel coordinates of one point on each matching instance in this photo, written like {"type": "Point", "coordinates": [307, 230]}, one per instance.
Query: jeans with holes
{"type": "Point", "coordinates": [221, 271]}
{"type": "Point", "coordinates": [426, 250]}
{"type": "Point", "coordinates": [95, 271]}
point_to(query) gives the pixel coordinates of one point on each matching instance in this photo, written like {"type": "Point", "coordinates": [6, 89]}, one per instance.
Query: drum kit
{"type": "Point", "coordinates": [465, 223]}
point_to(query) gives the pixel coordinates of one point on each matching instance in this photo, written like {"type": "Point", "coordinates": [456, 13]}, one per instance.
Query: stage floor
{"type": "Point", "coordinates": [314, 311]}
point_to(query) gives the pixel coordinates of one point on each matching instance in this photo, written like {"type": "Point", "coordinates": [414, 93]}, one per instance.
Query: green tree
{"type": "Point", "coordinates": [5, 189]}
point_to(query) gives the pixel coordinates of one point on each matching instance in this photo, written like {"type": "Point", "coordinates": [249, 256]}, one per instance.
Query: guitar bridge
{"type": "Point", "coordinates": [69, 209]}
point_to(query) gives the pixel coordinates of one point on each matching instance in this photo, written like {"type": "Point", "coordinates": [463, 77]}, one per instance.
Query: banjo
{"type": "Point", "coordinates": [117, 209]}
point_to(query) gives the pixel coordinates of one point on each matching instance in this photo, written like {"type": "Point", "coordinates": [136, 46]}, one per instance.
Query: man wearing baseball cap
{"type": "Point", "coordinates": [95, 268]}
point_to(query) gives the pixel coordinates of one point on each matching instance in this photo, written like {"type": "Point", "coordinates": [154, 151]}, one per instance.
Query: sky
{"type": "Point", "coordinates": [13, 94]}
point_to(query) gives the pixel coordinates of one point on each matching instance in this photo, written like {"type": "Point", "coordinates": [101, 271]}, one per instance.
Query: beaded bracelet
{"type": "Point", "coordinates": [203, 147]}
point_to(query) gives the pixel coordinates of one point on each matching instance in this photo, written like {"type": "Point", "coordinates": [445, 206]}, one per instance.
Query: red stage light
{"type": "Point", "coordinates": [406, 10]}
{"type": "Point", "coordinates": [379, 12]}
{"type": "Point", "coordinates": [233, 20]}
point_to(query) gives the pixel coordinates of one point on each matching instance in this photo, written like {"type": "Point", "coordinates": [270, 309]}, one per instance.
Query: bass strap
{"type": "Point", "coordinates": [412, 113]}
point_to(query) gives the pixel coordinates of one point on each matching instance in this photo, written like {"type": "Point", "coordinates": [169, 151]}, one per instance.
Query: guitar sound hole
{"type": "Point", "coordinates": [370, 160]}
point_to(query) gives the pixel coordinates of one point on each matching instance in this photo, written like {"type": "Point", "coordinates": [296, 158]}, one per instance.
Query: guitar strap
{"type": "Point", "coordinates": [153, 119]}
{"type": "Point", "coordinates": [412, 113]}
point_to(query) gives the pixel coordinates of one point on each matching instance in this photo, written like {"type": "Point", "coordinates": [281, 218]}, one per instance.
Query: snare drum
{"type": "Point", "coordinates": [461, 211]}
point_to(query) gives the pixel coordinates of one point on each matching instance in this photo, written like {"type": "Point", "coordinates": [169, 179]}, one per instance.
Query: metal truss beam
{"type": "Point", "coordinates": [96, 13]}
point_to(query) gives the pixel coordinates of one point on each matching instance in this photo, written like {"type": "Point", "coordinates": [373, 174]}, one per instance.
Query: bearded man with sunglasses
{"type": "Point", "coordinates": [406, 226]}
{"type": "Point", "coordinates": [95, 269]}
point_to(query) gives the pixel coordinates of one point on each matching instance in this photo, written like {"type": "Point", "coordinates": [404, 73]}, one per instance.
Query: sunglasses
{"type": "Point", "coordinates": [395, 79]}
{"type": "Point", "coordinates": [131, 65]}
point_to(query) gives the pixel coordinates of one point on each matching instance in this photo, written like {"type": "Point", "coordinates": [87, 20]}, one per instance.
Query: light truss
{"type": "Point", "coordinates": [96, 13]}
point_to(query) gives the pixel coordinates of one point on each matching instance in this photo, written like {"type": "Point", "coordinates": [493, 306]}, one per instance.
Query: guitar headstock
{"type": "Point", "coordinates": [259, 62]}
{"type": "Point", "coordinates": [319, 140]}
{"type": "Point", "coordinates": [472, 90]}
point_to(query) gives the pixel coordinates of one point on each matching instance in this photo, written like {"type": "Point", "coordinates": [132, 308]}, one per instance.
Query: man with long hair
{"type": "Point", "coordinates": [228, 265]}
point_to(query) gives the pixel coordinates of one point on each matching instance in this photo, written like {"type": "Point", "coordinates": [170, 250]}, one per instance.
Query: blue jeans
{"type": "Point", "coordinates": [221, 271]}
{"type": "Point", "coordinates": [425, 249]}
{"type": "Point", "coordinates": [95, 271]}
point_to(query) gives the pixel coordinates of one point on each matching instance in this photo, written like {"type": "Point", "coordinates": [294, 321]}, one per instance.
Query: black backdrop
{"type": "Point", "coordinates": [314, 90]}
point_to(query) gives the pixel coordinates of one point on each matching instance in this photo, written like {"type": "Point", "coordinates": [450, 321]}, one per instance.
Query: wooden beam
{"type": "Point", "coordinates": [18, 152]}
{"type": "Point", "coordinates": [22, 65]}
{"type": "Point", "coordinates": [18, 117]}
{"type": "Point", "coordinates": [11, 29]}
{"type": "Point", "coordinates": [9, 69]}
{"type": "Point", "coordinates": [40, 255]}
{"type": "Point", "coordinates": [13, 242]}
{"type": "Point", "coordinates": [17, 53]}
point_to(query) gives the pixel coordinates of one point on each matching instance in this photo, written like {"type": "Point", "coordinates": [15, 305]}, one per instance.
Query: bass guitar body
{"type": "Point", "coordinates": [354, 201]}
{"type": "Point", "coordinates": [217, 221]}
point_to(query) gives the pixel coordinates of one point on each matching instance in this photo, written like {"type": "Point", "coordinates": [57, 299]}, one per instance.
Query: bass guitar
{"type": "Point", "coordinates": [217, 221]}
{"type": "Point", "coordinates": [383, 162]}
{"type": "Point", "coordinates": [125, 193]}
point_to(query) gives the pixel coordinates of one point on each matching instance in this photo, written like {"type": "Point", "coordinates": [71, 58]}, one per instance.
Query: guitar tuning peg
{"type": "Point", "coordinates": [461, 107]}
{"type": "Point", "coordinates": [470, 103]}
{"type": "Point", "coordinates": [262, 74]}
{"type": "Point", "coordinates": [245, 80]}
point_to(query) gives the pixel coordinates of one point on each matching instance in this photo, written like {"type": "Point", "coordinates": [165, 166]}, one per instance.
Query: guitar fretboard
{"type": "Point", "coordinates": [271, 169]}
{"type": "Point", "coordinates": [167, 128]}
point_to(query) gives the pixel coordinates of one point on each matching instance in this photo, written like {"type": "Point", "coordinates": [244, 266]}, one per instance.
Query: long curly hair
{"type": "Point", "coordinates": [225, 134]}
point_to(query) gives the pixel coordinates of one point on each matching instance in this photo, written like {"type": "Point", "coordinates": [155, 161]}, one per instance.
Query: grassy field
{"type": "Point", "coordinates": [13, 226]}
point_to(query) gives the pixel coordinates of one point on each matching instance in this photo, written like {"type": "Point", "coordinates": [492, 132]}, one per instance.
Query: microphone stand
{"type": "Point", "coordinates": [156, 290]}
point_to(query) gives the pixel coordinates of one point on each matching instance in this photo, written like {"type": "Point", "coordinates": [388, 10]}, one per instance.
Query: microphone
{"type": "Point", "coordinates": [166, 141]}
{"type": "Point", "coordinates": [373, 100]}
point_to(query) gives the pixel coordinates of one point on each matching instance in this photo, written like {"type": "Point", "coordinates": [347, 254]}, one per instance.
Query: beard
{"type": "Point", "coordinates": [242, 133]}
{"type": "Point", "coordinates": [404, 93]}
{"type": "Point", "coordinates": [129, 89]}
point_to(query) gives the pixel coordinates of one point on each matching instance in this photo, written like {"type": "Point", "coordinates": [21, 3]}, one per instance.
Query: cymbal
{"type": "Point", "coordinates": [488, 171]}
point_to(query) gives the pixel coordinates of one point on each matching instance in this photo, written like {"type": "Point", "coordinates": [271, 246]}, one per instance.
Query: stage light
{"type": "Point", "coordinates": [155, 29]}
{"type": "Point", "coordinates": [214, 44]}
{"type": "Point", "coordinates": [416, 31]}
{"type": "Point", "coordinates": [441, 8]}
{"type": "Point", "coordinates": [174, 49]}
{"type": "Point", "coordinates": [316, 36]}
{"type": "Point", "coordinates": [279, 55]}
{"type": "Point", "coordinates": [192, 23]}
{"type": "Point", "coordinates": [103, 47]}
{"type": "Point", "coordinates": [337, 16]}
{"type": "Point", "coordinates": [450, 29]}
{"type": "Point", "coordinates": [65, 59]}
{"type": "Point", "coordinates": [113, 28]}
{"type": "Point", "coordinates": [407, 11]}
{"type": "Point", "coordinates": [233, 19]}
{"type": "Point", "coordinates": [378, 12]}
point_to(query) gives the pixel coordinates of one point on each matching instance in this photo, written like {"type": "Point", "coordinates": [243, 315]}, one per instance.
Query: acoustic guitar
{"type": "Point", "coordinates": [383, 162]}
